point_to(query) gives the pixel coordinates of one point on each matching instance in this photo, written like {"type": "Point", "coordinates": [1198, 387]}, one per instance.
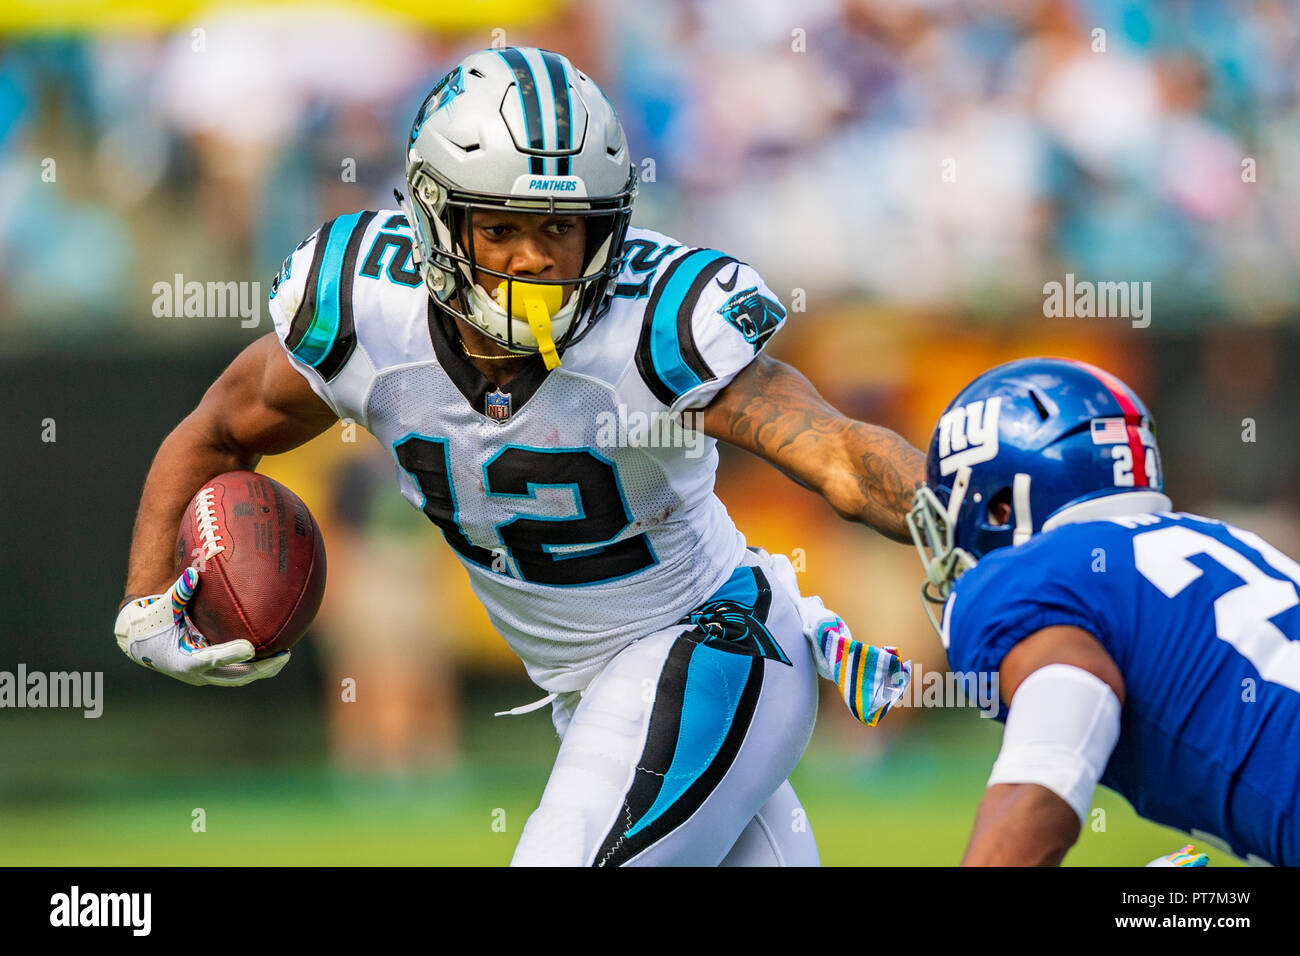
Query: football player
{"type": "Point", "coordinates": [551, 384]}
{"type": "Point", "coordinates": [1153, 651]}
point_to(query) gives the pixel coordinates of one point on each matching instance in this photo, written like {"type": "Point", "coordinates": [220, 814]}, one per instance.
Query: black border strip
{"type": "Point", "coordinates": [306, 314]}
{"type": "Point", "coordinates": [686, 311]}
{"type": "Point", "coordinates": [657, 754]}
{"type": "Point", "coordinates": [704, 785]}
{"type": "Point", "coordinates": [661, 743]}
{"type": "Point", "coordinates": [644, 359]}
{"type": "Point", "coordinates": [559, 85]}
{"type": "Point", "coordinates": [345, 339]}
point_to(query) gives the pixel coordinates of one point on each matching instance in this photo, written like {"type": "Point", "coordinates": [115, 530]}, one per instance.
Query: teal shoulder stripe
{"type": "Point", "coordinates": [674, 364]}
{"type": "Point", "coordinates": [324, 328]}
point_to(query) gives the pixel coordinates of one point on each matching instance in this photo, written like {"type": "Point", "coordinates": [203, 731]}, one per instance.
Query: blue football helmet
{"type": "Point", "coordinates": [1026, 447]}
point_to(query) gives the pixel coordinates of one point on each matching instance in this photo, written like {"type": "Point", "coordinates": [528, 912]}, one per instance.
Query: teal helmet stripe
{"type": "Point", "coordinates": [526, 84]}
{"type": "Point", "coordinates": [321, 335]}
{"type": "Point", "coordinates": [545, 98]}
{"type": "Point", "coordinates": [559, 77]}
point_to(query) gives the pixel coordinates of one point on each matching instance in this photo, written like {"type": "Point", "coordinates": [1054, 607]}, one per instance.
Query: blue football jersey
{"type": "Point", "coordinates": [1203, 620]}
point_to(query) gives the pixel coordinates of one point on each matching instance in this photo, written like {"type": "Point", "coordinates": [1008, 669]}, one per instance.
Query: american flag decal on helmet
{"type": "Point", "coordinates": [1108, 431]}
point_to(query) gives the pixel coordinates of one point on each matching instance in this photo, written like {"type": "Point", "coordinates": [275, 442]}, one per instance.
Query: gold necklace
{"type": "Point", "coordinates": [489, 358]}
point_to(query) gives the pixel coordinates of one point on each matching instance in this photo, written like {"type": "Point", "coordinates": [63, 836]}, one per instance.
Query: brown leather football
{"type": "Point", "coordinates": [260, 558]}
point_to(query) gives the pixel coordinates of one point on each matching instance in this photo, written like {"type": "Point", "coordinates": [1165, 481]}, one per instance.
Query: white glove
{"type": "Point", "coordinates": [870, 679]}
{"type": "Point", "coordinates": [155, 632]}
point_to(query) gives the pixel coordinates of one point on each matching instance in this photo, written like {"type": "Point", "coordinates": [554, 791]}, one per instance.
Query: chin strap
{"type": "Point", "coordinates": [404, 204]}
{"type": "Point", "coordinates": [535, 303]}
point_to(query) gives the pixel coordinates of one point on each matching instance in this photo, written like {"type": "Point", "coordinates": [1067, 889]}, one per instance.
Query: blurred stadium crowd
{"type": "Point", "coordinates": [809, 137]}
{"type": "Point", "coordinates": [915, 172]}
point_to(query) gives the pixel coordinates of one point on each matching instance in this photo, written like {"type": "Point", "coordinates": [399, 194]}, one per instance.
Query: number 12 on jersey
{"type": "Point", "coordinates": [532, 543]}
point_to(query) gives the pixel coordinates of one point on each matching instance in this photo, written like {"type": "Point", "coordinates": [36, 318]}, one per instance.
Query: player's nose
{"type": "Point", "coordinates": [530, 257]}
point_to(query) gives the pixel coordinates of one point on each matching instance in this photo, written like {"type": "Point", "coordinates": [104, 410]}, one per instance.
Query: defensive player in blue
{"type": "Point", "coordinates": [1153, 651]}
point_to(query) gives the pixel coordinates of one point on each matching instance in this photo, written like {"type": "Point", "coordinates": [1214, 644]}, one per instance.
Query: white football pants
{"type": "Point", "coordinates": [677, 753]}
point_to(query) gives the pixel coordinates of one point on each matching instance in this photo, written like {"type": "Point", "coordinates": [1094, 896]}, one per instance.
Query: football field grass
{"type": "Point", "coordinates": [911, 804]}
{"type": "Point", "coordinates": [304, 824]}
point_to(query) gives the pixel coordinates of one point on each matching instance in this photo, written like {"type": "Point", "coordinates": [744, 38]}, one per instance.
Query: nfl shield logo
{"type": "Point", "coordinates": [498, 405]}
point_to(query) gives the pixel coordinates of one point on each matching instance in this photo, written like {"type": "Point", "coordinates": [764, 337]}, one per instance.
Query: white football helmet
{"type": "Point", "coordinates": [517, 129]}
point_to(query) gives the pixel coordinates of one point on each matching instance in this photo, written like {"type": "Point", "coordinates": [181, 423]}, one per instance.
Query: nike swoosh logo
{"type": "Point", "coordinates": [728, 286]}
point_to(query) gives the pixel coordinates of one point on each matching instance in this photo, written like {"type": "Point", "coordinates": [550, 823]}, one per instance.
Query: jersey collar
{"type": "Point", "coordinates": [1111, 506]}
{"type": "Point", "coordinates": [470, 381]}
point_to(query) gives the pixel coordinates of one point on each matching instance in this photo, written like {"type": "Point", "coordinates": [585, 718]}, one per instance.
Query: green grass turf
{"type": "Point", "coordinates": [910, 805]}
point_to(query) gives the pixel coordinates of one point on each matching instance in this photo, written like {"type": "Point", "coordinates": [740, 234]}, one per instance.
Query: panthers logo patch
{"type": "Point", "coordinates": [755, 316]}
{"type": "Point", "coordinates": [732, 627]}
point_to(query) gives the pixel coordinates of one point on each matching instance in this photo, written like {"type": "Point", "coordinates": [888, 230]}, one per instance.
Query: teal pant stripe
{"type": "Point", "coordinates": [715, 682]}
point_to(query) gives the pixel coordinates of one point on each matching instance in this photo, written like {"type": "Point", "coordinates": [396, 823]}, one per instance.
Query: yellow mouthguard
{"type": "Point", "coordinates": [536, 303]}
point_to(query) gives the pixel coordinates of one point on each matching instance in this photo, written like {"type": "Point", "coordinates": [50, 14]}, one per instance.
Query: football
{"type": "Point", "coordinates": [260, 558]}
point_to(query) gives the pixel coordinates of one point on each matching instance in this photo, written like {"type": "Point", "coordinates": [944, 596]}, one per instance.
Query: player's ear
{"type": "Point", "coordinates": [999, 509]}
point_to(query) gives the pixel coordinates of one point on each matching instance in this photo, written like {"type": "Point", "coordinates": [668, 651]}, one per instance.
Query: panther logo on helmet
{"type": "Point", "coordinates": [446, 90]}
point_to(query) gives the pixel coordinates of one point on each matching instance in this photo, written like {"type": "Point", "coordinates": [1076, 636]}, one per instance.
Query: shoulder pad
{"type": "Point", "coordinates": [707, 316]}
{"type": "Point", "coordinates": [317, 327]}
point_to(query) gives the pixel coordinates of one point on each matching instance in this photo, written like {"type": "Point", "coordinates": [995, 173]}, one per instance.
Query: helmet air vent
{"type": "Point", "coordinates": [1043, 414]}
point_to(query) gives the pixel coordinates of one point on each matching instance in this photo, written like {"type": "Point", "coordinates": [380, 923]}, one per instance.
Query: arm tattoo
{"type": "Point", "coordinates": [868, 473]}
{"type": "Point", "coordinates": [889, 472]}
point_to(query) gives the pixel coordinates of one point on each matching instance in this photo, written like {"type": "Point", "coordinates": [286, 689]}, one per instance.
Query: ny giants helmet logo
{"type": "Point", "coordinates": [968, 435]}
{"type": "Point", "coordinates": [755, 316]}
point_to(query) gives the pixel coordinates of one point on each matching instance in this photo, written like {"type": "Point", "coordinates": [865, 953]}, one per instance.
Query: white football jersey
{"type": "Point", "coordinates": [582, 510]}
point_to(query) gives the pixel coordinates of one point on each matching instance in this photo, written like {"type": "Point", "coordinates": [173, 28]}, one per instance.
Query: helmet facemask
{"type": "Point", "coordinates": [933, 528]}
{"type": "Point", "coordinates": [523, 131]}
{"type": "Point", "coordinates": [438, 213]}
